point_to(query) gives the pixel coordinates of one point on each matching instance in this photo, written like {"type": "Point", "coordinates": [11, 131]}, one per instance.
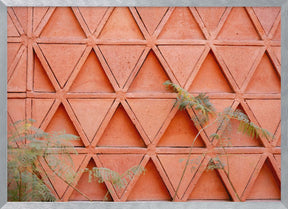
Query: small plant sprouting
{"type": "Point", "coordinates": [28, 146]}
{"type": "Point", "coordinates": [118, 181]}
{"type": "Point", "coordinates": [215, 163]}
{"type": "Point", "coordinates": [206, 116]}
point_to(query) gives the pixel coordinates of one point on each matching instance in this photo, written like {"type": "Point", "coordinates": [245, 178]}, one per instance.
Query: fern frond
{"type": "Point", "coordinates": [38, 191]}
{"type": "Point", "coordinates": [246, 126]}
{"type": "Point", "coordinates": [200, 103]}
{"type": "Point", "coordinates": [131, 172]}
{"type": "Point", "coordinates": [215, 163]}
{"type": "Point", "coordinates": [107, 175]}
{"type": "Point", "coordinates": [62, 165]}
{"type": "Point", "coordinates": [25, 182]}
{"type": "Point", "coordinates": [214, 135]}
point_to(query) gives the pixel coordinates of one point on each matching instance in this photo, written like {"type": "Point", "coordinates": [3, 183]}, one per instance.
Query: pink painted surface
{"type": "Point", "coordinates": [98, 73]}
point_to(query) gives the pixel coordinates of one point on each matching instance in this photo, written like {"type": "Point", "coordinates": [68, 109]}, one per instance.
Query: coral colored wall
{"type": "Point", "coordinates": [98, 74]}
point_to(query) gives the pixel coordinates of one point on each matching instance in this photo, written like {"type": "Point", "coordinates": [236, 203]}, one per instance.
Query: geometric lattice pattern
{"type": "Point", "coordinates": [98, 74]}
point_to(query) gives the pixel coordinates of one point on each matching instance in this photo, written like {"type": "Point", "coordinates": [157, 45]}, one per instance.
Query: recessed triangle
{"type": "Point", "coordinates": [219, 105]}
{"type": "Point", "coordinates": [265, 78]}
{"type": "Point", "coordinates": [277, 51]}
{"type": "Point", "coordinates": [12, 50]}
{"type": "Point", "coordinates": [58, 184]}
{"type": "Point", "coordinates": [91, 77]}
{"type": "Point", "coordinates": [22, 16]}
{"type": "Point", "coordinates": [149, 186]}
{"type": "Point", "coordinates": [241, 168]}
{"type": "Point", "coordinates": [62, 59]}
{"type": "Point", "coordinates": [239, 60]}
{"type": "Point", "coordinates": [121, 25]}
{"type": "Point", "coordinates": [211, 16]}
{"type": "Point", "coordinates": [11, 29]}
{"type": "Point", "coordinates": [16, 108]}
{"type": "Point", "coordinates": [41, 81]}
{"type": "Point", "coordinates": [120, 163]}
{"type": "Point", "coordinates": [93, 189]}
{"type": "Point", "coordinates": [121, 131]}
{"type": "Point", "coordinates": [150, 77]}
{"type": "Point", "coordinates": [40, 108]}
{"type": "Point", "coordinates": [174, 167]}
{"type": "Point", "coordinates": [180, 132]}
{"type": "Point", "coordinates": [182, 59]}
{"type": "Point", "coordinates": [92, 16]}
{"type": "Point", "coordinates": [151, 16]}
{"type": "Point", "coordinates": [153, 115]}
{"type": "Point", "coordinates": [279, 142]}
{"type": "Point", "coordinates": [38, 14]}
{"type": "Point", "coordinates": [238, 26]}
{"type": "Point", "coordinates": [10, 131]}
{"type": "Point", "coordinates": [121, 60]}
{"type": "Point", "coordinates": [210, 77]}
{"type": "Point", "coordinates": [90, 113]}
{"type": "Point", "coordinates": [266, 16]}
{"type": "Point", "coordinates": [277, 35]}
{"type": "Point", "coordinates": [181, 25]}
{"type": "Point", "coordinates": [63, 23]}
{"type": "Point", "coordinates": [278, 160]}
{"type": "Point", "coordinates": [17, 81]}
{"type": "Point", "coordinates": [209, 187]}
{"type": "Point", "coordinates": [265, 186]}
{"type": "Point", "coordinates": [16, 111]}
{"type": "Point", "coordinates": [233, 137]}
{"type": "Point", "coordinates": [61, 122]}
{"type": "Point", "coordinates": [267, 113]}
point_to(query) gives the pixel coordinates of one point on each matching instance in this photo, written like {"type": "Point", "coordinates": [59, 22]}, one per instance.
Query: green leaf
{"type": "Point", "coordinates": [26, 146]}
{"type": "Point", "coordinates": [214, 135]}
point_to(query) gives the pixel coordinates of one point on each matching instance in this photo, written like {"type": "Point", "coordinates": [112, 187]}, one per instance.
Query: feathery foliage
{"type": "Point", "coordinates": [200, 103]}
{"type": "Point", "coordinates": [203, 110]}
{"type": "Point", "coordinates": [27, 146]}
{"type": "Point", "coordinates": [119, 181]}
{"type": "Point", "coordinates": [245, 126]}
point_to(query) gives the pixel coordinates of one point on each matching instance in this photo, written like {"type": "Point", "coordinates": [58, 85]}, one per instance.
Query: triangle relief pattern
{"type": "Point", "coordinates": [98, 73]}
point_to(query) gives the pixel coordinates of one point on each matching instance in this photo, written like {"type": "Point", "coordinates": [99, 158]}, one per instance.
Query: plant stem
{"type": "Point", "coordinates": [20, 186]}
{"type": "Point", "coordinates": [227, 158]}
{"type": "Point", "coordinates": [228, 167]}
{"type": "Point", "coordinates": [18, 134]}
{"type": "Point", "coordinates": [228, 172]}
{"type": "Point", "coordinates": [232, 185]}
{"type": "Point", "coordinates": [188, 158]}
{"type": "Point", "coordinates": [69, 184]}
{"type": "Point", "coordinates": [106, 196]}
